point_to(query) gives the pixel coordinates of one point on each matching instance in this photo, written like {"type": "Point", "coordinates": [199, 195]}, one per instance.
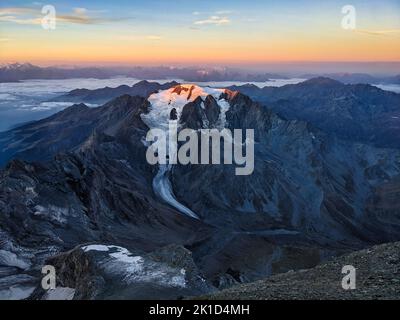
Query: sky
{"type": "Point", "coordinates": [154, 32]}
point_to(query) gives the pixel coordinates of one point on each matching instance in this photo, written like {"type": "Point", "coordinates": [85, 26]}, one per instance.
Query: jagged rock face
{"type": "Point", "coordinates": [212, 110]}
{"type": "Point", "coordinates": [359, 113]}
{"type": "Point", "coordinates": [201, 114]}
{"type": "Point", "coordinates": [311, 196]}
{"type": "Point", "coordinates": [193, 115]}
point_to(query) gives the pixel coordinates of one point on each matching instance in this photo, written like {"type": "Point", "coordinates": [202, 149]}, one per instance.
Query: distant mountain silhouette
{"type": "Point", "coordinates": [143, 88]}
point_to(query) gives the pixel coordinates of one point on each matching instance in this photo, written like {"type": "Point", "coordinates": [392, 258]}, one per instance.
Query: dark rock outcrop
{"type": "Point", "coordinates": [111, 272]}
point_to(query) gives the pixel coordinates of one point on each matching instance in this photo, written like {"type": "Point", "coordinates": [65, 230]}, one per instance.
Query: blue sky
{"type": "Point", "coordinates": [200, 30]}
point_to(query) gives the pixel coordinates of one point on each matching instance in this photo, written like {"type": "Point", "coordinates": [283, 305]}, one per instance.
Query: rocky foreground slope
{"type": "Point", "coordinates": [377, 277]}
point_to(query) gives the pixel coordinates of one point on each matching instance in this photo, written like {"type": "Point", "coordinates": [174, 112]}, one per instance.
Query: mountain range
{"type": "Point", "coordinates": [12, 72]}
{"type": "Point", "coordinates": [356, 112]}
{"type": "Point", "coordinates": [78, 193]}
{"type": "Point", "coordinates": [100, 96]}
{"type": "Point", "coordinates": [356, 78]}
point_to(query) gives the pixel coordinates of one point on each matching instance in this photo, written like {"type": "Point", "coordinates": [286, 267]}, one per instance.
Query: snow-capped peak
{"type": "Point", "coordinates": [176, 98]}
{"type": "Point", "coordinates": [189, 93]}
{"type": "Point", "coordinates": [16, 66]}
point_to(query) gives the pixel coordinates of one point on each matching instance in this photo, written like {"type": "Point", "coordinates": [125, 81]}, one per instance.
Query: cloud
{"type": "Point", "coordinates": [213, 20]}
{"type": "Point", "coordinates": [378, 32]}
{"type": "Point", "coordinates": [80, 19]}
{"type": "Point", "coordinates": [14, 19]}
{"type": "Point", "coordinates": [17, 11]}
{"type": "Point", "coordinates": [4, 39]}
{"type": "Point", "coordinates": [27, 15]}
{"type": "Point", "coordinates": [80, 11]}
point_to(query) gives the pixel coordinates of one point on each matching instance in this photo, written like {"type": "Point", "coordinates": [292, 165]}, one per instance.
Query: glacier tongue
{"type": "Point", "coordinates": [163, 188]}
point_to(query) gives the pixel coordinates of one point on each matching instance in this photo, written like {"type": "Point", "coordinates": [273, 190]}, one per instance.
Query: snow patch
{"type": "Point", "coordinates": [135, 263]}
{"type": "Point", "coordinates": [389, 87]}
{"type": "Point", "coordinates": [137, 269]}
{"type": "Point", "coordinates": [96, 247]}
{"type": "Point", "coordinates": [121, 254]}
{"type": "Point", "coordinates": [53, 213]}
